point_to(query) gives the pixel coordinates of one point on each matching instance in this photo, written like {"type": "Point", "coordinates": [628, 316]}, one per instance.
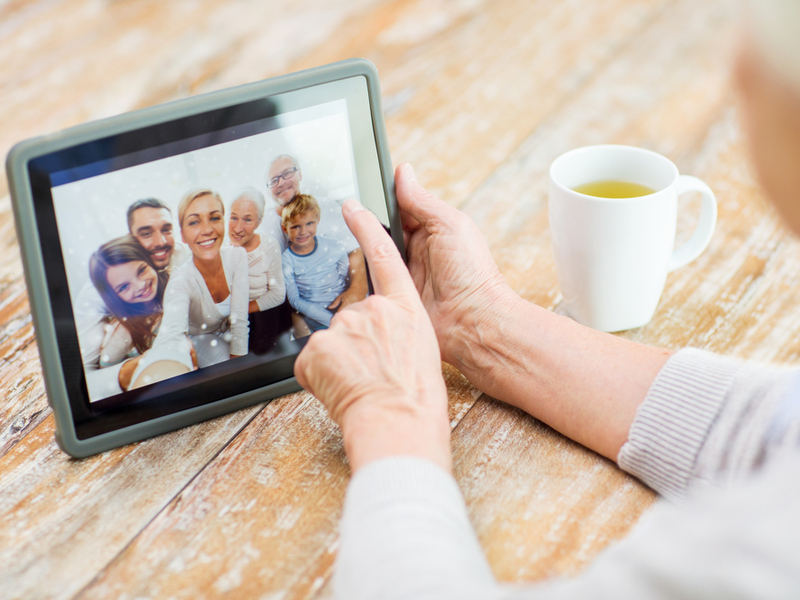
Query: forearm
{"type": "Point", "coordinates": [315, 311]}
{"type": "Point", "coordinates": [310, 309]}
{"type": "Point", "coordinates": [423, 432]}
{"type": "Point", "coordinates": [318, 312]}
{"type": "Point", "coordinates": [171, 343]}
{"type": "Point", "coordinates": [270, 299]}
{"type": "Point", "coordinates": [583, 383]}
{"type": "Point", "coordinates": [358, 274]}
{"type": "Point", "coordinates": [276, 290]}
{"type": "Point", "coordinates": [240, 329]}
{"type": "Point", "coordinates": [240, 298]}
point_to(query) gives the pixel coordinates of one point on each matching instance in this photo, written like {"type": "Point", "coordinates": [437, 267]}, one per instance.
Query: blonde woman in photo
{"type": "Point", "coordinates": [205, 304]}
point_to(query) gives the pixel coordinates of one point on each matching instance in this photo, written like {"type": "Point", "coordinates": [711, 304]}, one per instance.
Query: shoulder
{"type": "Point", "coordinates": [271, 221]}
{"type": "Point", "coordinates": [269, 246]}
{"type": "Point", "coordinates": [182, 283]}
{"type": "Point", "coordinates": [184, 270]}
{"type": "Point", "coordinates": [270, 212]}
{"type": "Point", "coordinates": [182, 276]}
{"type": "Point", "coordinates": [324, 243]}
{"type": "Point", "coordinates": [288, 258]}
{"type": "Point", "coordinates": [90, 301]}
{"type": "Point", "coordinates": [328, 245]}
{"type": "Point", "coordinates": [232, 252]}
{"type": "Point", "coordinates": [330, 208]}
{"type": "Point", "coordinates": [332, 223]}
{"type": "Point", "coordinates": [269, 243]}
{"type": "Point", "coordinates": [180, 257]}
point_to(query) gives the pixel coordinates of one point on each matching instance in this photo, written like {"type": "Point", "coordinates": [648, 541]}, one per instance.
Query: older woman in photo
{"type": "Point", "coordinates": [132, 289]}
{"type": "Point", "coordinates": [206, 298]}
{"type": "Point", "coordinates": [263, 252]}
{"type": "Point", "coordinates": [269, 314]}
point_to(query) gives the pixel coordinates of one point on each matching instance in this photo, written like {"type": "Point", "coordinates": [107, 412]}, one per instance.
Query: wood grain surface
{"type": "Point", "coordinates": [480, 96]}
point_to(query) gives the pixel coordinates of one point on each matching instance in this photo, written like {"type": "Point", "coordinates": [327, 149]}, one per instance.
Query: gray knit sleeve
{"type": "Point", "coordinates": [705, 420]}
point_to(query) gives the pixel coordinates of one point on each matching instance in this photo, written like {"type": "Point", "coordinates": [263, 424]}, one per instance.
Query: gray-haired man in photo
{"type": "Point", "coordinates": [283, 182]}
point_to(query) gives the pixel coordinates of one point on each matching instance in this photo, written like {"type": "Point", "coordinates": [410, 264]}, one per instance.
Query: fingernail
{"type": "Point", "coordinates": [352, 205]}
{"type": "Point", "coordinates": [408, 170]}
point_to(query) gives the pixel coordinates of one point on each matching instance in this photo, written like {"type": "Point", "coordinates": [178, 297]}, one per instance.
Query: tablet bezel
{"type": "Point", "coordinates": [44, 312]}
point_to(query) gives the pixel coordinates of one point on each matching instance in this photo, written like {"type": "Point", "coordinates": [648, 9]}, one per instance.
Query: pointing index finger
{"type": "Point", "coordinates": [389, 274]}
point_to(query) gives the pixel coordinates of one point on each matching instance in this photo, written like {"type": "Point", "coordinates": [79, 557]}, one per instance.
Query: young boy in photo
{"type": "Point", "coordinates": [315, 269]}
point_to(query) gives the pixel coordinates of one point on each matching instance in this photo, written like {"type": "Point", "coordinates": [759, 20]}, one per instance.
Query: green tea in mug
{"type": "Point", "coordinates": [612, 188]}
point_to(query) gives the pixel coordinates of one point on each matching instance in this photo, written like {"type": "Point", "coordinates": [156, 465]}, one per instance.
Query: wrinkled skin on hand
{"type": "Point", "coordinates": [358, 283]}
{"type": "Point", "coordinates": [377, 368]}
{"type": "Point", "coordinates": [377, 352]}
{"type": "Point", "coordinates": [450, 264]}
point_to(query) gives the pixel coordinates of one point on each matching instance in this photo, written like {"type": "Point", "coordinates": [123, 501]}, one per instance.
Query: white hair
{"type": "Point", "coordinates": [276, 159]}
{"type": "Point", "coordinates": [775, 26]}
{"type": "Point", "coordinates": [255, 197]}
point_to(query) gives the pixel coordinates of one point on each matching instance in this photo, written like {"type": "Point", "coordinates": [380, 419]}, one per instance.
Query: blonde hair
{"type": "Point", "coordinates": [299, 205]}
{"type": "Point", "coordinates": [775, 27]}
{"type": "Point", "coordinates": [193, 195]}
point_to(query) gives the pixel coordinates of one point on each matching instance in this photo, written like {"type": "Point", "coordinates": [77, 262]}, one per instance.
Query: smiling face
{"type": "Point", "coordinates": [301, 231]}
{"type": "Point", "coordinates": [242, 222]}
{"type": "Point", "coordinates": [203, 227]}
{"type": "Point", "coordinates": [152, 227]}
{"type": "Point", "coordinates": [288, 182]}
{"type": "Point", "coordinates": [134, 282]}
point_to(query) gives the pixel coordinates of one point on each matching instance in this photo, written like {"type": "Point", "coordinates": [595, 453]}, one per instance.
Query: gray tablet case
{"type": "Point", "coordinates": [30, 242]}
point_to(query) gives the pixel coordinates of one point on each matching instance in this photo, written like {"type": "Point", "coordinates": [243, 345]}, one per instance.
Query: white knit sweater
{"type": "Point", "coordinates": [190, 309]}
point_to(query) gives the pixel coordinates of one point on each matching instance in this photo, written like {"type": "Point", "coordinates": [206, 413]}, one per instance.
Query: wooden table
{"type": "Point", "coordinates": [480, 96]}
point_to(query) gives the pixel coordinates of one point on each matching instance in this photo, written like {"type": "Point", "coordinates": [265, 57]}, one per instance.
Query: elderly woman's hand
{"type": "Point", "coordinates": [451, 265]}
{"type": "Point", "coordinates": [377, 368]}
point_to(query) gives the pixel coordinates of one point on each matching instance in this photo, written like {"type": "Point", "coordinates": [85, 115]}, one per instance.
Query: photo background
{"type": "Point", "coordinates": [92, 211]}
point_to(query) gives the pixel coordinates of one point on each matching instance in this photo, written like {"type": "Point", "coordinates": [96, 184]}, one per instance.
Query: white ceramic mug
{"type": "Point", "coordinates": [613, 254]}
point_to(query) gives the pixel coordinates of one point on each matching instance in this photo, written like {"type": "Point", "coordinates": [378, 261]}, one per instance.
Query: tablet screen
{"type": "Point", "coordinates": [189, 261]}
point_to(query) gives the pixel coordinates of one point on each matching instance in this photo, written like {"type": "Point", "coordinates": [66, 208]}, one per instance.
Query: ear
{"type": "Point", "coordinates": [299, 175]}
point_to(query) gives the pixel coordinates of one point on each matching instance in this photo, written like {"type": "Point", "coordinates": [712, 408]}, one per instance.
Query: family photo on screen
{"type": "Point", "coordinates": [213, 272]}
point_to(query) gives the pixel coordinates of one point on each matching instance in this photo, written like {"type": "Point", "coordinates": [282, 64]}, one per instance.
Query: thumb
{"type": "Point", "coordinates": [417, 202]}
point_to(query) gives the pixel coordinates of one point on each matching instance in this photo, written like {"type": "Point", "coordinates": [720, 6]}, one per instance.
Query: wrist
{"type": "Point", "coordinates": [478, 330]}
{"type": "Point", "coordinates": [395, 428]}
{"type": "Point", "coordinates": [358, 287]}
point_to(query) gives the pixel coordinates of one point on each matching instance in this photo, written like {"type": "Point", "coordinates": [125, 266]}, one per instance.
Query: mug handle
{"type": "Point", "coordinates": [705, 227]}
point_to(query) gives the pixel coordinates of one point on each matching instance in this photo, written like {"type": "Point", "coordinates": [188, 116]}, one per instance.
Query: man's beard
{"type": "Point", "coordinates": [167, 249]}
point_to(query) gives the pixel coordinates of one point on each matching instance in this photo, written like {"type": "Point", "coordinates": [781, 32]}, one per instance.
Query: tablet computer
{"type": "Point", "coordinates": [178, 257]}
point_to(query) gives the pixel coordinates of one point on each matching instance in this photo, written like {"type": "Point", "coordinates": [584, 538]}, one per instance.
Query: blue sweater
{"type": "Point", "coordinates": [314, 280]}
